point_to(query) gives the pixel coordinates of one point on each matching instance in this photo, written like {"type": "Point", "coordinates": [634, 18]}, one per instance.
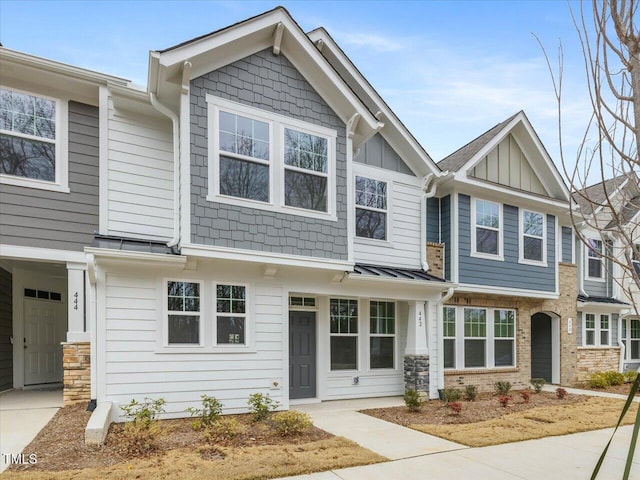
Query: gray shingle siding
{"type": "Point", "coordinates": [67, 221]}
{"type": "Point", "coordinates": [508, 273]}
{"type": "Point", "coordinates": [271, 83]}
{"type": "Point", "coordinates": [566, 244]}
{"type": "Point", "coordinates": [376, 152]}
{"type": "Point", "coordinates": [445, 234]}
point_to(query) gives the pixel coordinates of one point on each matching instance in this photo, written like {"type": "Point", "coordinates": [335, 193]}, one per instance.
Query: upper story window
{"type": "Point", "coordinates": [533, 237]}
{"type": "Point", "coordinates": [271, 162]}
{"type": "Point", "coordinates": [371, 208]}
{"type": "Point", "coordinates": [486, 232]}
{"type": "Point", "coordinates": [31, 146]}
{"type": "Point", "coordinates": [594, 259]}
{"type": "Point", "coordinates": [244, 157]}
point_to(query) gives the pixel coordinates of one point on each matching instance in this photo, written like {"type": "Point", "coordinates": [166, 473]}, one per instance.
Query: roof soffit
{"type": "Point", "coordinates": [241, 40]}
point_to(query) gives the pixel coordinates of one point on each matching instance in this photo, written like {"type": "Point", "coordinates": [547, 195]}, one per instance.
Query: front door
{"type": "Point", "coordinates": [43, 327]}
{"type": "Point", "coordinates": [541, 350]}
{"type": "Point", "coordinates": [302, 355]}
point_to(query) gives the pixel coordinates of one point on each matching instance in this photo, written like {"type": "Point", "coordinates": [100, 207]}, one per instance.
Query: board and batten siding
{"type": "Point", "coordinates": [508, 273]}
{"type": "Point", "coordinates": [140, 176]}
{"type": "Point", "coordinates": [376, 152]}
{"type": "Point", "coordinates": [33, 217]}
{"type": "Point", "coordinates": [403, 217]}
{"type": "Point", "coordinates": [270, 83]}
{"type": "Point", "coordinates": [6, 330]}
{"type": "Point", "coordinates": [134, 368]}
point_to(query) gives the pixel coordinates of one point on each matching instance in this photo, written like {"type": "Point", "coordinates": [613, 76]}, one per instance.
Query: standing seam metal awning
{"type": "Point", "coordinates": [380, 271]}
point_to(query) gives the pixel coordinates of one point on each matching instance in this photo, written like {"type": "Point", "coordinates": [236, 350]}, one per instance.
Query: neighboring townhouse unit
{"type": "Point", "coordinates": [501, 211]}
{"type": "Point", "coordinates": [49, 205]}
{"type": "Point", "coordinates": [608, 323]}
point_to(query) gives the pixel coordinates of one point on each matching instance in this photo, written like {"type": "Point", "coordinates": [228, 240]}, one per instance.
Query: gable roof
{"type": "Point", "coordinates": [171, 69]}
{"type": "Point", "coordinates": [398, 136]}
{"type": "Point", "coordinates": [462, 161]}
{"type": "Point", "coordinates": [460, 157]}
{"type": "Point", "coordinates": [590, 198]}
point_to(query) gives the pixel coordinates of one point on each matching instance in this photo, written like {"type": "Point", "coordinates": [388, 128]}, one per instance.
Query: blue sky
{"type": "Point", "coordinates": [450, 70]}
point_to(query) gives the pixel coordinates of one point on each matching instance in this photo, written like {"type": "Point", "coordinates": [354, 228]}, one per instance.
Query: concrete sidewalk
{"type": "Point", "coordinates": [23, 413]}
{"type": "Point", "coordinates": [418, 455]}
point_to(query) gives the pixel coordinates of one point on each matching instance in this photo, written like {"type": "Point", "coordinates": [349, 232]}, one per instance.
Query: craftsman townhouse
{"type": "Point", "coordinates": [256, 219]}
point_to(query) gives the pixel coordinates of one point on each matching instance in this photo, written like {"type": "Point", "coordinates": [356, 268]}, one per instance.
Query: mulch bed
{"type": "Point", "coordinates": [60, 445]}
{"type": "Point", "coordinates": [485, 407]}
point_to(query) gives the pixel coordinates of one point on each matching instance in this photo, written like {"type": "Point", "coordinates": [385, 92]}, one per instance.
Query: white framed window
{"type": "Point", "coordinates": [597, 330]}
{"type": "Point", "coordinates": [486, 229]}
{"type": "Point", "coordinates": [33, 137]}
{"type": "Point", "coordinates": [449, 335]}
{"type": "Point", "coordinates": [183, 325]}
{"type": "Point", "coordinates": [343, 321]}
{"type": "Point", "coordinates": [479, 338]}
{"type": "Point", "coordinates": [268, 161]}
{"type": "Point", "coordinates": [371, 208]}
{"type": "Point", "coordinates": [231, 315]}
{"type": "Point", "coordinates": [631, 338]}
{"type": "Point", "coordinates": [594, 260]}
{"type": "Point", "coordinates": [382, 334]}
{"type": "Point", "coordinates": [533, 237]}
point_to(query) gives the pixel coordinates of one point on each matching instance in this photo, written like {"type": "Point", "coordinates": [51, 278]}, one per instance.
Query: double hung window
{"type": "Point", "coordinates": [343, 319]}
{"type": "Point", "coordinates": [371, 208]}
{"type": "Point", "coordinates": [532, 241]}
{"type": "Point", "coordinates": [486, 230]}
{"type": "Point", "coordinates": [382, 333]}
{"type": "Point", "coordinates": [183, 312]}
{"type": "Point", "coordinates": [596, 330]}
{"type": "Point", "coordinates": [594, 259]}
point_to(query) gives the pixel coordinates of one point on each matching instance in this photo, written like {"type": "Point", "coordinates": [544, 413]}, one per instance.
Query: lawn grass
{"type": "Point", "coordinates": [592, 414]}
{"type": "Point", "coordinates": [224, 463]}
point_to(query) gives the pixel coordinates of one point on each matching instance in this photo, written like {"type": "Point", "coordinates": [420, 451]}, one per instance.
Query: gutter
{"type": "Point", "coordinates": [429, 190]}
{"type": "Point", "coordinates": [176, 165]}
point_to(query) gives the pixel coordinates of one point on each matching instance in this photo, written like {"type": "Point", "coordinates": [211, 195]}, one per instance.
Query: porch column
{"type": "Point", "coordinates": [416, 354]}
{"type": "Point", "coordinates": [76, 306]}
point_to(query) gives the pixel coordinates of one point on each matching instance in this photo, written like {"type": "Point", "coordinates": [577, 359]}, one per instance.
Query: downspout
{"type": "Point", "coordinates": [441, 303]}
{"type": "Point", "coordinates": [429, 190]}
{"type": "Point", "coordinates": [176, 165]}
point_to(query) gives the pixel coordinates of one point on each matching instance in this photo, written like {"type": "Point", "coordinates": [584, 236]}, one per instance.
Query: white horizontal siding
{"type": "Point", "coordinates": [136, 367]}
{"type": "Point", "coordinates": [140, 176]}
{"type": "Point", "coordinates": [403, 250]}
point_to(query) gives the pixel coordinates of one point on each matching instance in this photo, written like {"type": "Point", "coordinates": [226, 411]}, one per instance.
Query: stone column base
{"type": "Point", "coordinates": [76, 363]}
{"type": "Point", "coordinates": [416, 374]}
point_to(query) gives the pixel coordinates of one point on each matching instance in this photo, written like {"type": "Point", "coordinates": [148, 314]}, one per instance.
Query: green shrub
{"type": "Point", "coordinates": [226, 428]}
{"type": "Point", "coordinates": [614, 378]}
{"type": "Point", "coordinates": [211, 411]}
{"type": "Point", "coordinates": [138, 436]}
{"type": "Point", "coordinates": [412, 400]}
{"type": "Point", "coordinates": [630, 376]}
{"type": "Point", "coordinates": [451, 394]}
{"type": "Point", "coordinates": [537, 384]}
{"type": "Point", "coordinates": [470, 393]}
{"type": "Point", "coordinates": [502, 388]}
{"type": "Point", "coordinates": [261, 406]}
{"type": "Point", "coordinates": [597, 380]}
{"type": "Point", "coordinates": [291, 423]}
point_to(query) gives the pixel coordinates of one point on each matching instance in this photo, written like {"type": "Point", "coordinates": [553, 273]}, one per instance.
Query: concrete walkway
{"type": "Point", "coordinates": [23, 413]}
{"type": "Point", "coordinates": [418, 455]}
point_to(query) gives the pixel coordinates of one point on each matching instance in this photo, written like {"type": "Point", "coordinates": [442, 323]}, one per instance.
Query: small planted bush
{"type": "Point", "coordinates": [502, 388]}
{"type": "Point", "coordinates": [455, 407]}
{"type": "Point", "coordinates": [504, 400]}
{"type": "Point", "coordinates": [451, 395]}
{"type": "Point", "coordinates": [561, 393]}
{"type": "Point", "coordinates": [226, 428]}
{"type": "Point", "coordinates": [537, 384]}
{"type": "Point", "coordinates": [597, 380]}
{"type": "Point", "coordinates": [412, 400]}
{"type": "Point", "coordinates": [630, 376]}
{"type": "Point", "coordinates": [210, 412]}
{"type": "Point", "coordinates": [614, 378]}
{"type": "Point", "coordinates": [261, 406]}
{"type": "Point", "coordinates": [291, 423]}
{"type": "Point", "coordinates": [470, 393]}
{"type": "Point", "coordinates": [525, 395]}
{"type": "Point", "coordinates": [138, 436]}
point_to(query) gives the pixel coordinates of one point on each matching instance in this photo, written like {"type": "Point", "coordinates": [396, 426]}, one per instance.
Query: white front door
{"type": "Point", "coordinates": [44, 324]}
